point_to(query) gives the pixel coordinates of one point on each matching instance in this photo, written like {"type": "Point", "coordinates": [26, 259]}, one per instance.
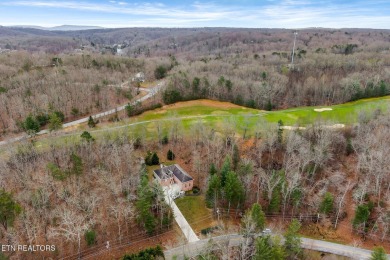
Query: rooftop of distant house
{"type": "Point", "coordinates": [176, 170]}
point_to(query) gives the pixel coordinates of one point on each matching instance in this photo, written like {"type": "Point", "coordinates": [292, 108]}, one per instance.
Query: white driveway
{"type": "Point", "coordinates": [180, 219]}
{"type": "Point", "coordinates": [193, 249]}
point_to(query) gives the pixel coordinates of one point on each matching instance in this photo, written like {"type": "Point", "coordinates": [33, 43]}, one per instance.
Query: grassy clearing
{"type": "Point", "coordinates": [347, 113]}
{"type": "Point", "coordinates": [220, 116]}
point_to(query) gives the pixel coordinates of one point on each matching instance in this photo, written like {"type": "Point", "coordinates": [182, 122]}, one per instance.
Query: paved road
{"type": "Point", "coordinates": [151, 92]}
{"type": "Point", "coordinates": [180, 219]}
{"type": "Point", "coordinates": [193, 249]}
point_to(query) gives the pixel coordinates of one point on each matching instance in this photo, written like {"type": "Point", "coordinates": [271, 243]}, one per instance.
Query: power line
{"type": "Point", "coordinates": [293, 50]}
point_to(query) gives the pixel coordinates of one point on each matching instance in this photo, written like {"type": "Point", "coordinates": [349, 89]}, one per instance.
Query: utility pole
{"type": "Point", "coordinates": [292, 57]}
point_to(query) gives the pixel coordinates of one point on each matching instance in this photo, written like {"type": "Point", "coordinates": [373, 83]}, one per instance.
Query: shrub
{"type": "Point", "coordinates": [56, 172]}
{"type": "Point", "coordinates": [149, 253]}
{"type": "Point", "coordinates": [195, 190]}
{"type": "Point", "coordinates": [160, 72]}
{"type": "Point", "coordinates": [87, 136]}
{"type": "Point", "coordinates": [42, 119]}
{"type": "Point", "coordinates": [378, 253]}
{"type": "Point", "coordinates": [90, 237]}
{"type": "Point", "coordinates": [3, 90]}
{"type": "Point", "coordinates": [172, 96]}
{"type": "Point", "coordinates": [208, 230]}
{"type": "Point", "coordinates": [152, 159]}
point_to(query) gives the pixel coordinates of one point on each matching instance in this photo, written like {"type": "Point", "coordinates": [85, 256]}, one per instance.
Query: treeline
{"type": "Point", "coordinates": [271, 82]}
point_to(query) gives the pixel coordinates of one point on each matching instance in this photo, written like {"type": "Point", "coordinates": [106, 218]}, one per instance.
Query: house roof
{"type": "Point", "coordinates": [176, 170]}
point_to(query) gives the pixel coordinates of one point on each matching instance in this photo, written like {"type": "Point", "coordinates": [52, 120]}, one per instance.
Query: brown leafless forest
{"type": "Point", "coordinates": [67, 190]}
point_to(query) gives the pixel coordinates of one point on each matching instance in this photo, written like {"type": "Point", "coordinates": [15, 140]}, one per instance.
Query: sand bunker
{"type": "Point", "coordinates": [323, 109]}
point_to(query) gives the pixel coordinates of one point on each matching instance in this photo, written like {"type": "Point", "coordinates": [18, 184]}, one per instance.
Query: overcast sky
{"type": "Point", "coordinates": [175, 13]}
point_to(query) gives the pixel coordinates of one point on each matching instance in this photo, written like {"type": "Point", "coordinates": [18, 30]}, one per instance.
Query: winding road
{"type": "Point", "coordinates": [194, 248]}
{"type": "Point", "coordinates": [151, 92]}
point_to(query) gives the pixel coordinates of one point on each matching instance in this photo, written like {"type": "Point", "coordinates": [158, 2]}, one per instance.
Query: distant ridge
{"type": "Point", "coordinates": [59, 28]}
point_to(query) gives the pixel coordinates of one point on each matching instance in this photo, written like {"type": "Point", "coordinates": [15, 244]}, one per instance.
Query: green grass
{"type": "Point", "coordinates": [219, 117]}
{"type": "Point", "coordinates": [192, 207]}
{"type": "Point", "coordinates": [347, 113]}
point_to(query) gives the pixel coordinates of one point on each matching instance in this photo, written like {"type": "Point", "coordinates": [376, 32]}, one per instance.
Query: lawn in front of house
{"type": "Point", "coordinates": [195, 211]}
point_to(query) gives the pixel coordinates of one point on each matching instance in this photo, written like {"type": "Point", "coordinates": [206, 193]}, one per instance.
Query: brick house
{"type": "Point", "coordinates": [174, 174]}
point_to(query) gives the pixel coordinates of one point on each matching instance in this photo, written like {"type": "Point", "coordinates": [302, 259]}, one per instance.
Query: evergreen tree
{"type": "Point", "coordinates": [160, 72]}
{"type": "Point", "coordinates": [170, 155]}
{"type": "Point", "coordinates": [362, 214]}
{"type": "Point", "coordinates": [155, 159]}
{"type": "Point", "coordinates": [263, 248]}
{"type": "Point", "coordinates": [280, 131]}
{"type": "Point", "coordinates": [90, 237]}
{"type": "Point", "coordinates": [269, 248]}
{"type": "Point", "coordinates": [60, 115]}
{"type": "Point", "coordinates": [274, 204]}
{"type": "Point", "coordinates": [326, 206]}
{"type": "Point", "coordinates": [292, 242]}
{"type": "Point", "coordinates": [77, 162]}
{"type": "Point", "coordinates": [56, 172]}
{"type": "Point", "coordinates": [144, 203]}
{"type": "Point", "coordinates": [224, 170]}
{"type": "Point", "coordinates": [269, 105]}
{"type": "Point", "coordinates": [165, 140]}
{"type": "Point", "coordinates": [378, 253]}
{"type": "Point", "coordinates": [236, 157]}
{"type": "Point", "coordinates": [129, 110]}
{"type": "Point", "coordinates": [91, 122]}
{"type": "Point", "coordinates": [148, 158]}
{"type": "Point", "coordinates": [233, 189]}
{"type": "Point", "coordinates": [55, 122]}
{"type": "Point", "coordinates": [349, 147]}
{"type": "Point", "coordinates": [213, 191]}
{"type": "Point", "coordinates": [9, 209]}
{"type": "Point", "coordinates": [258, 217]}
{"type": "Point", "coordinates": [31, 125]}
{"type": "Point", "coordinates": [278, 251]}
{"type": "Point", "coordinates": [87, 136]}
{"type": "Point", "coordinates": [264, 75]}
{"type": "Point", "coordinates": [42, 119]}
{"type": "Point", "coordinates": [213, 170]}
